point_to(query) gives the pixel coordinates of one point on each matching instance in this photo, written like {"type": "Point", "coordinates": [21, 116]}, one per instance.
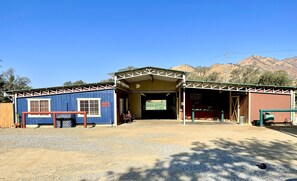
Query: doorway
{"type": "Point", "coordinates": [235, 108]}
{"type": "Point", "coordinates": [158, 105]}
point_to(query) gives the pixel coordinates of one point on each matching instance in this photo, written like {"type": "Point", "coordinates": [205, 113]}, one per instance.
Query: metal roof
{"type": "Point", "coordinates": [147, 67]}
{"type": "Point", "coordinates": [146, 73]}
{"type": "Point", "coordinates": [62, 89]}
{"type": "Point", "coordinates": [239, 87]}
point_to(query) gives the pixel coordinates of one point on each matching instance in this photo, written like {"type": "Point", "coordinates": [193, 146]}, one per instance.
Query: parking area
{"type": "Point", "coordinates": [149, 150]}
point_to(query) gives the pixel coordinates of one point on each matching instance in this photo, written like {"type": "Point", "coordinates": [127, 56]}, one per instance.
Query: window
{"type": "Point", "coordinates": [155, 105]}
{"type": "Point", "coordinates": [127, 104]}
{"type": "Point", "coordinates": [90, 105]}
{"type": "Point", "coordinates": [39, 105]}
{"type": "Point", "coordinates": [121, 105]}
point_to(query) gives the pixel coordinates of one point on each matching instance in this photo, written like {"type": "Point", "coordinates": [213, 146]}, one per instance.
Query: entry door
{"type": "Point", "coordinates": [235, 109]}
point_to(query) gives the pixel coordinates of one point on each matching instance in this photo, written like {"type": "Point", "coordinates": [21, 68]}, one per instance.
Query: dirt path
{"type": "Point", "coordinates": [148, 151]}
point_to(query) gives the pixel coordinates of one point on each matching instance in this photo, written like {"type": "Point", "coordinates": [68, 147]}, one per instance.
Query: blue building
{"type": "Point", "coordinates": [96, 99]}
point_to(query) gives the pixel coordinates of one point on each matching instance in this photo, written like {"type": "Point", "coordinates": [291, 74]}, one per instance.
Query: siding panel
{"type": "Point", "coordinates": [270, 101]}
{"type": "Point", "coordinates": [68, 102]}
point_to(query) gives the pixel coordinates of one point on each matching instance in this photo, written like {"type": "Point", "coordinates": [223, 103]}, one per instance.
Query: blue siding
{"type": "Point", "coordinates": [68, 102]}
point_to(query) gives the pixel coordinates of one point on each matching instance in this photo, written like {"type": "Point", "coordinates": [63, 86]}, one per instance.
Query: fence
{"type": "Point", "coordinates": [273, 110]}
{"type": "Point", "coordinates": [6, 115]}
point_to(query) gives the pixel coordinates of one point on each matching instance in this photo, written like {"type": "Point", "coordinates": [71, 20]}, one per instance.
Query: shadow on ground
{"type": "Point", "coordinates": [224, 160]}
{"type": "Point", "coordinates": [289, 130]}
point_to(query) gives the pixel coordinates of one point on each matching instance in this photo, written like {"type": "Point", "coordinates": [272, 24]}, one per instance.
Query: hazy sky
{"type": "Point", "coordinates": [54, 41]}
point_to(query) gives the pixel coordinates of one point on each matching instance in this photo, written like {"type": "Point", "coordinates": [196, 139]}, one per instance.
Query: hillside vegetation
{"type": "Point", "coordinates": [252, 70]}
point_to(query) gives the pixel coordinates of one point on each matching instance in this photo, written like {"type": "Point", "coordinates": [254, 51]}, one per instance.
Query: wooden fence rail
{"type": "Point", "coordinates": [54, 113]}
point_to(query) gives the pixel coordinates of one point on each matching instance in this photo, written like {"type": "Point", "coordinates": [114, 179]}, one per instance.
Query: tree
{"type": "Point", "coordinates": [68, 83]}
{"type": "Point", "coordinates": [9, 81]}
{"type": "Point", "coordinates": [78, 82]}
{"type": "Point", "coordinates": [130, 67]}
{"type": "Point", "coordinates": [245, 75]}
{"type": "Point", "coordinates": [236, 76]}
{"type": "Point", "coordinates": [250, 75]}
{"type": "Point", "coordinates": [278, 78]}
{"type": "Point", "coordinates": [107, 80]}
{"type": "Point", "coordinates": [282, 78]}
{"type": "Point", "coordinates": [214, 77]}
{"type": "Point", "coordinates": [199, 73]}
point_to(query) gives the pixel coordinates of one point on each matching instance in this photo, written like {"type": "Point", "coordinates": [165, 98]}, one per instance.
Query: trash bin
{"type": "Point", "coordinates": [65, 120]}
{"type": "Point", "coordinates": [242, 120]}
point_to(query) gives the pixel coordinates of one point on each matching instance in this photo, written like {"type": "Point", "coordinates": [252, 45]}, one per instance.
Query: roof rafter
{"type": "Point", "coordinates": [151, 71]}
{"type": "Point", "coordinates": [62, 90]}
{"type": "Point", "coordinates": [238, 87]}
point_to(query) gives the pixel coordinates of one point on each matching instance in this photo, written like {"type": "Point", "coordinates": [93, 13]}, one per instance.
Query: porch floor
{"type": "Point", "coordinates": [164, 122]}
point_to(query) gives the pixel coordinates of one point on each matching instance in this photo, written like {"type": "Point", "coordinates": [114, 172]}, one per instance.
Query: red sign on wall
{"type": "Point", "coordinates": [105, 104]}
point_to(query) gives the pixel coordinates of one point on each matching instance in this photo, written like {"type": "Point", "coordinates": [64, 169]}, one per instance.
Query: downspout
{"type": "Point", "coordinates": [115, 122]}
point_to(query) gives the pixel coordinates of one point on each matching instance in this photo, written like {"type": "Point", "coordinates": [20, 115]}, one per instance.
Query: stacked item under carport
{"type": "Point", "coordinates": [65, 120]}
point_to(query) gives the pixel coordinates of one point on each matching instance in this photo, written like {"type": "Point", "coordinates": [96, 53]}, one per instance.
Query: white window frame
{"type": "Point", "coordinates": [38, 115]}
{"type": "Point", "coordinates": [89, 99]}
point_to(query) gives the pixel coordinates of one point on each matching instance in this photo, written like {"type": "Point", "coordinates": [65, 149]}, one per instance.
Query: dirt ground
{"type": "Point", "coordinates": [149, 150]}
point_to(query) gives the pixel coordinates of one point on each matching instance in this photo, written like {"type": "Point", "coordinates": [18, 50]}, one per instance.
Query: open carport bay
{"type": "Point", "coordinates": [149, 150]}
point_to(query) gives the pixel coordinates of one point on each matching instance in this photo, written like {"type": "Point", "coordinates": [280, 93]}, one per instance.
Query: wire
{"type": "Point", "coordinates": [265, 51]}
{"type": "Point", "coordinates": [219, 57]}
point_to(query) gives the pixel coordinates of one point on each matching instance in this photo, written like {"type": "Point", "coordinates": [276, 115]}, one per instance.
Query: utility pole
{"type": "Point", "coordinates": [226, 71]}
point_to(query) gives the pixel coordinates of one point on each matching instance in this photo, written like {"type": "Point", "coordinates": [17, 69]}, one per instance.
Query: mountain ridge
{"type": "Point", "coordinates": [253, 62]}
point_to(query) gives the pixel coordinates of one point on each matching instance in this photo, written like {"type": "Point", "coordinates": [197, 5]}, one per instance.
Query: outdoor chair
{"type": "Point", "coordinates": [127, 117]}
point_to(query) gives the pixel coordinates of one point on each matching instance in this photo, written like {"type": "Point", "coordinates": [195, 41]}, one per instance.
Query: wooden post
{"type": "Point", "coordinates": [85, 119]}
{"type": "Point", "coordinates": [55, 120]}
{"type": "Point", "coordinates": [24, 120]}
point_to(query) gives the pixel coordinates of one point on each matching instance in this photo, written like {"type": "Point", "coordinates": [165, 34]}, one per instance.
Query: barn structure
{"type": "Point", "coordinates": [154, 93]}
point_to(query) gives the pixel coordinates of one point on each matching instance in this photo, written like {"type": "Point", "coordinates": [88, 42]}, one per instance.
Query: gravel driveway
{"type": "Point", "coordinates": [149, 150]}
